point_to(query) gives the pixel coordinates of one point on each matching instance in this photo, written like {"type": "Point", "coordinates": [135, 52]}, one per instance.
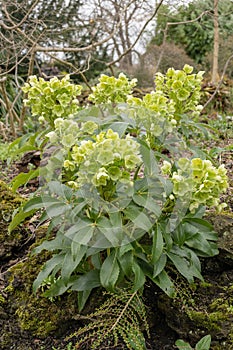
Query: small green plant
{"type": "Point", "coordinates": [222, 123]}
{"type": "Point", "coordinates": [120, 316]}
{"type": "Point", "coordinates": [7, 152]}
{"type": "Point", "coordinates": [121, 211]}
{"type": "Point", "coordinates": [203, 344]}
{"type": "Point", "coordinates": [69, 346]}
{"type": "Point", "coordinates": [114, 205]}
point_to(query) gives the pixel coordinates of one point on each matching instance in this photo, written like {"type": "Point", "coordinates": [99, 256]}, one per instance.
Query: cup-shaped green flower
{"type": "Point", "coordinates": [183, 88]}
{"type": "Point", "coordinates": [114, 173]}
{"type": "Point", "coordinates": [52, 99]}
{"type": "Point", "coordinates": [104, 160]}
{"type": "Point", "coordinates": [89, 127]}
{"type": "Point", "coordinates": [100, 178]}
{"type": "Point", "coordinates": [105, 157]}
{"type": "Point", "coordinates": [68, 140]}
{"type": "Point", "coordinates": [166, 168]}
{"type": "Point", "coordinates": [68, 165]}
{"type": "Point", "coordinates": [131, 161]}
{"type": "Point", "coordinates": [153, 113]}
{"type": "Point", "coordinates": [202, 181]}
{"type": "Point", "coordinates": [112, 90]}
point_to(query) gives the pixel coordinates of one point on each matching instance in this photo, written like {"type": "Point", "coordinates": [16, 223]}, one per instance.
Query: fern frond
{"type": "Point", "coordinates": [120, 317]}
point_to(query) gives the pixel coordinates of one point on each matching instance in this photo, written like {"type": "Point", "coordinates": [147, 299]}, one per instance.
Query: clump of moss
{"type": "Point", "coordinates": [34, 313]}
{"type": "Point", "coordinates": [8, 203]}
{"type": "Point", "coordinates": [208, 309]}
{"type": "Point", "coordinates": [212, 322]}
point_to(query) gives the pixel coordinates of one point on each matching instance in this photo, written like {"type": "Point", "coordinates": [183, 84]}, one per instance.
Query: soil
{"type": "Point", "coordinates": [185, 318]}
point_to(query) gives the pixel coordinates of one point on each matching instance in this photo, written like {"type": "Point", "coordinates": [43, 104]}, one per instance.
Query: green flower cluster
{"type": "Point", "coordinates": [68, 132]}
{"type": "Point", "coordinates": [52, 99]}
{"type": "Point", "coordinates": [106, 159]}
{"type": "Point", "coordinates": [183, 88]}
{"type": "Point", "coordinates": [112, 90]}
{"type": "Point", "coordinates": [154, 113]}
{"type": "Point", "coordinates": [199, 181]}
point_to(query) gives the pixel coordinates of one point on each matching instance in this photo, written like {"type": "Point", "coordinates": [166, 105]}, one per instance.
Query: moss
{"type": "Point", "coordinates": [222, 222]}
{"type": "Point", "coordinates": [212, 322]}
{"type": "Point", "coordinates": [40, 316]}
{"type": "Point", "coordinates": [8, 203]}
{"type": "Point", "coordinates": [206, 310]}
{"type": "Point", "coordinates": [35, 313]}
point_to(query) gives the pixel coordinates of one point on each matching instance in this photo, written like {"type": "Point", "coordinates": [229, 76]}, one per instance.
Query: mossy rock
{"type": "Point", "coordinates": [30, 314]}
{"type": "Point", "coordinates": [8, 203]}
{"type": "Point", "coordinates": [208, 310]}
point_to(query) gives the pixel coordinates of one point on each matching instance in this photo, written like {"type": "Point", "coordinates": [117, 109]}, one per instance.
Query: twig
{"type": "Point", "coordinates": [165, 34]}
{"type": "Point", "coordinates": [138, 37]}
{"type": "Point", "coordinates": [220, 82]}
{"type": "Point", "coordinates": [8, 105]}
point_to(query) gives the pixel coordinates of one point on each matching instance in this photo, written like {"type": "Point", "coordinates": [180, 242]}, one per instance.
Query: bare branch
{"type": "Point", "coordinates": [14, 26]}
{"type": "Point", "coordinates": [168, 24]}
{"type": "Point", "coordinates": [138, 37]}
{"type": "Point", "coordinates": [220, 81]}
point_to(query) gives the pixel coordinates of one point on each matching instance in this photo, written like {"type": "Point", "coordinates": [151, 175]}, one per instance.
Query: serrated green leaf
{"type": "Point", "coordinates": [158, 245]}
{"type": "Point", "coordinates": [81, 232]}
{"type": "Point", "coordinates": [78, 208]}
{"type": "Point", "coordinates": [182, 345]}
{"type": "Point", "coordinates": [116, 219]}
{"type": "Point", "coordinates": [88, 281]}
{"type": "Point", "coordinates": [201, 224]}
{"type": "Point", "coordinates": [119, 127]}
{"type": "Point", "coordinates": [109, 272]}
{"type": "Point", "coordinates": [148, 202]}
{"type": "Point", "coordinates": [82, 299]}
{"type": "Point", "coordinates": [96, 261]}
{"type": "Point", "coordinates": [164, 282]}
{"type": "Point", "coordinates": [84, 235]}
{"type": "Point", "coordinates": [185, 267]}
{"type": "Point", "coordinates": [57, 209]}
{"type": "Point", "coordinates": [139, 277]}
{"type": "Point", "coordinates": [124, 249]}
{"type": "Point", "coordinates": [57, 288]}
{"type": "Point", "coordinates": [139, 218]}
{"type": "Point", "coordinates": [71, 261]}
{"type": "Point", "coordinates": [160, 265]}
{"type": "Point", "coordinates": [48, 267]}
{"type": "Point", "coordinates": [150, 163]}
{"type": "Point", "coordinates": [114, 234]}
{"type": "Point", "coordinates": [126, 263]}
{"type": "Point", "coordinates": [59, 242]}
{"type": "Point", "coordinates": [19, 218]}
{"type": "Point", "coordinates": [37, 202]}
{"type": "Point", "coordinates": [23, 178]}
{"type": "Point", "coordinates": [56, 187]}
{"type": "Point", "coordinates": [204, 343]}
{"type": "Point", "coordinates": [202, 246]}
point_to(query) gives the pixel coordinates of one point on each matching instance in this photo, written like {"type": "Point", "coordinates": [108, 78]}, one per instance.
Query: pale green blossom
{"type": "Point", "coordinates": [201, 181]}
{"type": "Point", "coordinates": [166, 167]}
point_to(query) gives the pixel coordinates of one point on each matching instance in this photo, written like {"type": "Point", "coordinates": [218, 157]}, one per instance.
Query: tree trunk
{"type": "Point", "coordinates": [215, 76]}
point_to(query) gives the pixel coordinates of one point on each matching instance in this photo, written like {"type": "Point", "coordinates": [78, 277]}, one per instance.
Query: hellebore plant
{"type": "Point", "coordinates": [121, 210]}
